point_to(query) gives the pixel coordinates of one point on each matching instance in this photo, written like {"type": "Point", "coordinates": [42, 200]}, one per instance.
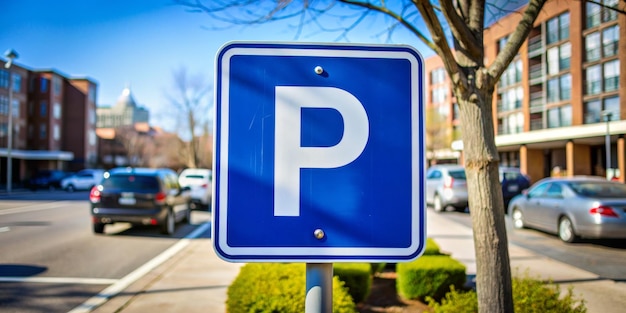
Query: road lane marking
{"type": "Point", "coordinates": [59, 280]}
{"type": "Point", "coordinates": [112, 291]}
{"type": "Point", "coordinates": [34, 207]}
{"type": "Point", "coordinates": [4, 229]}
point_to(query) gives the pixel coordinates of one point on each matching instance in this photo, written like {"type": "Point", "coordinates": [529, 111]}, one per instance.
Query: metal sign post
{"type": "Point", "coordinates": [319, 288]}
{"type": "Point", "coordinates": [319, 156]}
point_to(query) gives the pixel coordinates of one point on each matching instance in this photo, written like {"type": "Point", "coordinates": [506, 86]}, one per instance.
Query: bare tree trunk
{"type": "Point", "coordinates": [493, 270]}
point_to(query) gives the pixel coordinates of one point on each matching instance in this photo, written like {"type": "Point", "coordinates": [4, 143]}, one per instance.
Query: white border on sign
{"type": "Point", "coordinates": [321, 254]}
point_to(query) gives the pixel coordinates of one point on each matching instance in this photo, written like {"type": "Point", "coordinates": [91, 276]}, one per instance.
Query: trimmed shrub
{"type": "Point", "coordinates": [278, 287]}
{"type": "Point", "coordinates": [529, 296]}
{"type": "Point", "coordinates": [432, 248]}
{"type": "Point", "coordinates": [377, 267]}
{"type": "Point", "coordinates": [429, 276]}
{"type": "Point", "coordinates": [356, 277]}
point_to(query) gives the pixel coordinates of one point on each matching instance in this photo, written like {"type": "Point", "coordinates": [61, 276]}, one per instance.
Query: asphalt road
{"type": "Point", "coordinates": [52, 262]}
{"type": "Point", "coordinates": [602, 257]}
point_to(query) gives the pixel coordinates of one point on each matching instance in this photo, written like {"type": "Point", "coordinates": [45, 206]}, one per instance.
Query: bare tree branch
{"type": "Point", "coordinates": [616, 8]}
{"type": "Point", "coordinates": [460, 30]}
{"type": "Point", "coordinates": [441, 46]}
{"type": "Point", "coordinates": [517, 38]}
{"type": "Point", "coordinates": [400, 19]}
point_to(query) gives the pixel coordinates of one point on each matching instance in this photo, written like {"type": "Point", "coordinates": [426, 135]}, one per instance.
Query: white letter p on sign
{"type": "Point", "coordinates": [290, 156]}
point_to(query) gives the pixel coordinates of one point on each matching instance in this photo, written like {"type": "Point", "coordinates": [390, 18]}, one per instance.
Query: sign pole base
{"type": "Point", "coordinates": [319, 288]}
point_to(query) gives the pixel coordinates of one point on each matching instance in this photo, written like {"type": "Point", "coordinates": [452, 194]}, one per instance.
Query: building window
{"type": "Point", "coordinates": [565, 54]}
{"type": "Point", "coordinates": [43, 108]}
{"type": "Point", "coordinates": [611, 75]}
{"type": "Point", "coordinates": [56, 110]}
{"type": "Point", "coordinates": [43, 133]}
{"type": "Point", "coordinates": [593, 111]}
{"type": "Point", "coordinates": [592, 47]}
{"type": "Point", "coordinates": [4, 105]}
{"type": "Point", "coordinates": [17, 82]}
{"type": "Point", "coordinates": [512, 75]}
{"type": "Point", "coordinates": [56, 85]}
{"type": "Point", "coordinates": [559, 58]}
{"type": "Point", "coordinates": [512, 124]}
{"type": "Point", "coordinates": [437, 76]}
{"type": "Point", "coordinates": [593, 78]}
{"type": "Point", "coordinates": [610, 37]}
{"type": "Point", "coordinates": [596, 14]}
{"type": "Point", "coordinates": [594, 108]}
{"type": "Point", "coordinates": [511, 99]}
{"type": "Point", "coordinates": [16, 108]}
{"type": "Point", "coordinates": [608, 14]}
{"type": "Point", "coordinates": [56, 132]}
{"type": "Point", "coordinates": [439, 95]}
{"type": "Point", "coordinates": [92, 116]}
{"type": "Point", "coordinates": [560, 116]}
{"type": "Point", "coordinates": [558, 28]}
{"type": "Point", "coordinates": [560, 88]}
{"type": "Point", "coordinates": [592, 15]}
{"type": "Point", "coordinates": [502, 43]}
{"type": "Point", "coordinates": [93, 139]}
{"type": "Point", "coordinates": [612, 105]}
{"type": "Point", "coordinates": [92, 93]}
{"type": "Point", "coordinates": [4, 79]}
{"type": "Point", "coordinates": [44, 85]}
{"type": "Point", "coordinates": [565, 87]}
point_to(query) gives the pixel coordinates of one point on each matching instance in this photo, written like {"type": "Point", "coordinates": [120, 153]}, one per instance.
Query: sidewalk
{"type": "Point", "coordinates": [601, 295]}
{"type": "Point", "coordinates": [196, 280]}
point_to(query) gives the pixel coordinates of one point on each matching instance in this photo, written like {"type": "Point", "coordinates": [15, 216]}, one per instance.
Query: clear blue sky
{"type": "Point", "coordinates": [120, 42]}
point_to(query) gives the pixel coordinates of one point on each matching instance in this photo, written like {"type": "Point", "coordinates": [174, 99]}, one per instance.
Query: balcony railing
{"type": "Point", "coordinates": [536, 73]}
{"type": "Point", "coordinates": [536, 124]}
{"type": "Point", "coordinates": [537, 100]}
{"type": "Point", "coordinates": [535, 46]}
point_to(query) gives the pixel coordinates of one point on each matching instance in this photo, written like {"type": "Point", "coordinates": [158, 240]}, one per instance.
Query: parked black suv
{"type": "Point", "coordinates": [140, 196]}
{"type": "Point", "coordinates": [47, 179]}
{"type": "Point", "coordinates": [513, 183]}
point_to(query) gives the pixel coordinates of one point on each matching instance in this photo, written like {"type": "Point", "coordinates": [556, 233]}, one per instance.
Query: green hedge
{"type": "Point", "coordinates": [432, 248]}
{"type": "Point", "coordinates": [529, 296]}
{"type": "Point", "coordinates": [278, 287]}
{"type": "Point", "coordinates": [357, 278]}
{"type": "Point", "coordinates": [429, 276]}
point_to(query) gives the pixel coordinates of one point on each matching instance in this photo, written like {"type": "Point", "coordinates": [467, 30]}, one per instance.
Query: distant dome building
{"type": "Point", "coordinates": [125, 112]}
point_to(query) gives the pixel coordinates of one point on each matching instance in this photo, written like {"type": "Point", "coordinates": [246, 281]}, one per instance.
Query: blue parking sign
{"type": "Point", "coordinates": [319, 153]}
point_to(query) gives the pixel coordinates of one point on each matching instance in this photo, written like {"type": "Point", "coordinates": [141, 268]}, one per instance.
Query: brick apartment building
{"type": "Point", "coordinates": [561, 97]}
{"type": "Point", "coordinates": [54, 121]}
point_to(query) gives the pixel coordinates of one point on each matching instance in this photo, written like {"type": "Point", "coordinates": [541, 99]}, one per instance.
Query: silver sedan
{"type": "Point", "coordinates": [573, 208]}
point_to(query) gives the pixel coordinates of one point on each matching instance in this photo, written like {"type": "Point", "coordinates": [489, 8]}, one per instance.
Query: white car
{"type": "Point", "coordinates": [200, 181]}
{"type": "Point", "coordinates": [83, 180]}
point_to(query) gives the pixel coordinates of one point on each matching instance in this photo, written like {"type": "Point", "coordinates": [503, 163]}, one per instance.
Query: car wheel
{"type": "Point", "coordinates": [518, 219]}
{"type": "Point", "coordinates": [566, 230]}
{"type": "Point", "coordinates": [438, 205]}
{"type": "Point", "coordinates": [98, 228]}
{"type": "Point", "coordinates": [70, 188]}
{"type": "Point", "coordinates": [168, 225]}
{"type": "Point", "coordinates": [187, 218]}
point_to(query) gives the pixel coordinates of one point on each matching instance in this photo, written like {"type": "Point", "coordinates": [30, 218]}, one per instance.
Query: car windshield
{"type": "Point", "coordinates": [510, 176]}
{"type": "Point", "coordinates": [458, 174]}
{"type": "Point", "coordinates": [599, 189]}
{"type": "Point", "coordinates": [198, 176]}
{"type": "Point", "coordinates": [129, 182]}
